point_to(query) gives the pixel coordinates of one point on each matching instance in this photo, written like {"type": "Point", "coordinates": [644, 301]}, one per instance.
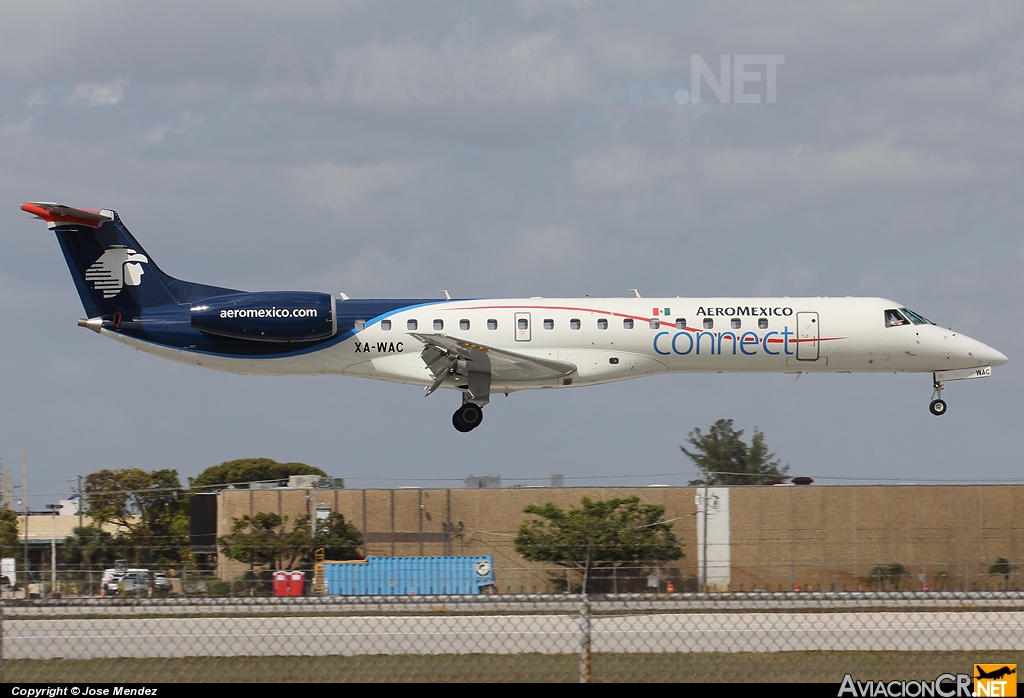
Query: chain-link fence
{"type": "Point", "coordinates": [879, 576]}
{"type": "Point", "coordinates": [817, 636]}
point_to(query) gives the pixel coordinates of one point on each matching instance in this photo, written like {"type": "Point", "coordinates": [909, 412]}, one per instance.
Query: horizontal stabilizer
{"type": "Point", "coordinates": [65, 215]}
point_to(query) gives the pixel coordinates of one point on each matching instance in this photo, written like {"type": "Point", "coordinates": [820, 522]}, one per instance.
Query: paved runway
{"type": "Point", "coordinates": [74, 638]}
{"type": "Point", "coordinates": [551, 603]}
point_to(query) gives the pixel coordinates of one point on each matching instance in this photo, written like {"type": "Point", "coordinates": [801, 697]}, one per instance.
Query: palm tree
{"type": "Point", "coordinates": [1004, 567]}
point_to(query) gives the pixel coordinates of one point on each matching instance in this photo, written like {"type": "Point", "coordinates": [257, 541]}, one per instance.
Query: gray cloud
{"type": "Point", "coordinates": [523, 149]}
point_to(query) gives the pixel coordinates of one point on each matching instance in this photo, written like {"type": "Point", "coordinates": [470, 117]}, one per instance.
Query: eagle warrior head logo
{"type": "Point", "coordinates": [116, 268]}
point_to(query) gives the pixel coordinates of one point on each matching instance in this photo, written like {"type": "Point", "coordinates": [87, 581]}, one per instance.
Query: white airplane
{"type": "Point", "coordinates": [486, 346]}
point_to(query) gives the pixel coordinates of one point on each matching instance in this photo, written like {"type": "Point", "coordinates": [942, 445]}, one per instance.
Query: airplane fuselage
{"type": "Point", "coordinates": [607, 339]}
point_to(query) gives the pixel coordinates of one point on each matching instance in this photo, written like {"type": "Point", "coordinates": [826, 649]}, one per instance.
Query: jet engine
{"type": "Point", "coordinates": [267, 316]}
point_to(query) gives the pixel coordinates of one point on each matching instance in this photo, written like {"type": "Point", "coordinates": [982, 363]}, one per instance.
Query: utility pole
{"type": "Point", "coordinates": [81, 501]}
{"type": "Point", "coordinates": [24, 499]}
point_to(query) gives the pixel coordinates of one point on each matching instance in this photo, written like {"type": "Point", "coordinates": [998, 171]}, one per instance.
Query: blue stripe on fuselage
{"type": "Point", "coordinates": [170, 326]}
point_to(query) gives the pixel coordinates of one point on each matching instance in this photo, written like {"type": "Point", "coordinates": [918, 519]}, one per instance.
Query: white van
{"type": "Point", "coordinates": [8, 574]}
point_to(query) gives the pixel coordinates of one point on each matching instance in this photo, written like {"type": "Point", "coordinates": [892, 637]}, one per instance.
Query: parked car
{"type": "Point", "coordinates": [135, 581]}
{"type": "Point", "coordinates": [161, 582]}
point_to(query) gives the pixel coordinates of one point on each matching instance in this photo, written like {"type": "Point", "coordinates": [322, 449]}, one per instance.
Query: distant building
{"type": "Point", "coordinates": [483, 481]}
{"type": "Point", "coordinates": [69, 507]}
{"type": "Point", "coordinates": [558, 480]}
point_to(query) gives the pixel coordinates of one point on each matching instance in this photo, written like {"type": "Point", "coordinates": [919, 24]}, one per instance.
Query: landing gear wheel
{"type": "Point", "coordinates": [938, 407]}
{"type": "Point", "coordinates": [467, 417]}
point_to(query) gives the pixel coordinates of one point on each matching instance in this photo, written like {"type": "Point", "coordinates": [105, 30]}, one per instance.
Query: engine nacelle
{"type": "Point", "coordinates": [267, 316]}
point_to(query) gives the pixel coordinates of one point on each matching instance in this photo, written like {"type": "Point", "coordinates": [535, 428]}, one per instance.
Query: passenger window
{"type": "Point", "coordinates": [549, 324]}
{"type": "Point", "coordinates": [463, 324]}
{"type": "Point", "coordinates": [735, 323]}
{"type": "Point", "coordinates": [438, 324]}
{"type": "Point", "coordinates": [523, 323]}
{"type": "Point", "coordinates": [492, 324]}
{"type": "Point", "coordinates": [709, 323]}
{"type": "Point", "coordinates": [762, 323]}
{"type": "Point", "coordinates": [385, 325]}
{"type": "Point", "coordinates": [893, 318]}
{"type": "Point", "coordinates": [574, 324]}
{"type": "Point", "coordinates": [680, 323]}
{"type": "Point", "coordinates": [655, 323]}
{"type": "Point", "coordinates": [360, 324]}
{"type": "Point", "coordinates": [412, 325]}
{"type": "Point", "coordinates": [627, 324]}
{"type": "Point", "coordinates": [602, 324]}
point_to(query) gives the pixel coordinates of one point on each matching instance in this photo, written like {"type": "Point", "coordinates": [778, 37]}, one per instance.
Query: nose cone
{"type": "Point", "coordinates": [985, 355]}
{"type": "Point", "coordinates": [998, 358]}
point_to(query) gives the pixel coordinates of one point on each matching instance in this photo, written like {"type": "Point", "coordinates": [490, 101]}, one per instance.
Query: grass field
{"type": "Point", "coordinates": [685, 667]}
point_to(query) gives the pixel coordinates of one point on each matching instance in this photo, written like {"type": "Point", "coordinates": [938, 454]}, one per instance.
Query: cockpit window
{"type": "Point", "coordinates": [894, 318]}
{"type": "Point", "coordinates": [915, 318]}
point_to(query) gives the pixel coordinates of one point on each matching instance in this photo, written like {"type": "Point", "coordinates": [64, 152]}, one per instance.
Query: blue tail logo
{"type": "Point", "coordinates": [116, 268]}
{"type": "Point", "coordinates": [112, 272]}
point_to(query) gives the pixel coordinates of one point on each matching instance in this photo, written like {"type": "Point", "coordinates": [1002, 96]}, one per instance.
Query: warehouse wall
{"type": "Point", "coordinates": [777, 537]}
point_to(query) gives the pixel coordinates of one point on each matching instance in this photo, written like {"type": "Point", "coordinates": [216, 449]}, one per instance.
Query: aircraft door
{"type": "Point", "coordinates": [807, 334]}
{"type": "Point", "coordinates": [523, 327]}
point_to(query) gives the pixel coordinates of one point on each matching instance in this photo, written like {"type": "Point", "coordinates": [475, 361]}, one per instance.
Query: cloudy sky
{"type": "Point", "coordinates": [518, 149]}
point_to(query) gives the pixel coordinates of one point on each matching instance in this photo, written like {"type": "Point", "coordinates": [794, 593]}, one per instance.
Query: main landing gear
{"type": "Point", "coordinates": [467, 417]}
{"type": "Point", "coordinates": [938, 405]}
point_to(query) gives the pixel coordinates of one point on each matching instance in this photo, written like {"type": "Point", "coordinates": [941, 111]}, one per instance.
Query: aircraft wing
{"type": "Point", "coordinates": [441, 351]}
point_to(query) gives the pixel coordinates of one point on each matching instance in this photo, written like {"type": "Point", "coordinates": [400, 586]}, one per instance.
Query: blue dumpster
{"type": "Point", "coordinates": [380, 576]}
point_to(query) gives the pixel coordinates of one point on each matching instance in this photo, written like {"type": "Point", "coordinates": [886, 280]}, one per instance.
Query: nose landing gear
{"type": "Point", "coordinates": [938, 405]}
{"type": "Point", "coordinates": [467, 417]}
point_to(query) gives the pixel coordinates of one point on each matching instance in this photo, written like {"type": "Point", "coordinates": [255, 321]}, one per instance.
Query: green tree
{"type": "Point", "coordinates": [147, 507]}
{"type": "Point", "coordinates": [896, 573]}
{"type": "Point", "coordinates": [246, 470]}
{"type": "Point", "coordinates": [263, 539]}
{"type": "Point", "coordinates": [339, 539]}
{"type": "Point", "coordinates": [9, 543]}
{"type": "Point", "coordinates": [90, 547]}
{"type": "Point", "coordinates": [727, 460]}
{"type": "Point", "coordinates": [597, 537]}
{"type": "Point", "coordinates": [1004, 567]}
{"type": "Point", "coordinates": [893, 573]}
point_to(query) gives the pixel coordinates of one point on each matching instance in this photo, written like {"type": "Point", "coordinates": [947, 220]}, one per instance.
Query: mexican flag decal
{"type": "Point", "coordinates": [656, 312]}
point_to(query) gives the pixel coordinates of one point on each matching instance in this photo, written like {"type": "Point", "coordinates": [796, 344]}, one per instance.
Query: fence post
{"type": "Point", "coordinates": [584, 639]}
{"type": "Point", "coordinates": [3, 677]}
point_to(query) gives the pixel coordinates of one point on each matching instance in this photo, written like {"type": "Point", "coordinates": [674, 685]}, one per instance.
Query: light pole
{"type": "Point", "coordinates": [704, 567]}
{"type": "Point", "coordinates": [54, 508]}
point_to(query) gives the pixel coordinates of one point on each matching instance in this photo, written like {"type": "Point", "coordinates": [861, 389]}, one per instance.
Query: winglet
{"type": "Point", "coordinates": [62, 215]}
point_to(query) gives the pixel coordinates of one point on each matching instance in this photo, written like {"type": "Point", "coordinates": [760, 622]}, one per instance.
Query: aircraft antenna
{"type": "Point", "coordinates": [635, 291]}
